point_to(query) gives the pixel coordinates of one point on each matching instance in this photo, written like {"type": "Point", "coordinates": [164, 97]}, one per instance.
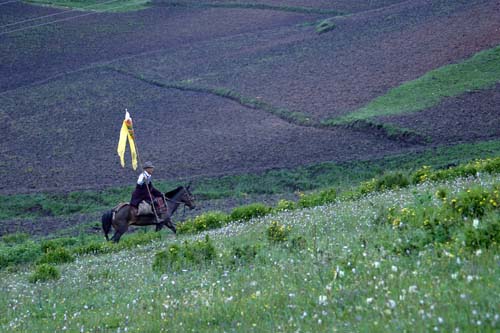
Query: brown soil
{"type": "Point", "coordinates": [62, 100]}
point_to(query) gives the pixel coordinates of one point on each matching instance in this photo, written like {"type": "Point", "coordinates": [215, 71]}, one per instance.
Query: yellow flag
{"type": "Point", "coordinates": [127, 132]}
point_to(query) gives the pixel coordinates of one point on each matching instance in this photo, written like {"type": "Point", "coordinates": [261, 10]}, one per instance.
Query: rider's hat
{"type": "Point", "coordinates": [148, 164]}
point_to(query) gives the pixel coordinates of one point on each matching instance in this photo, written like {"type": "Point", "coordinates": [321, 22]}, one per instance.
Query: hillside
{"type": "Point", "coordinates": [221, 87]}
{"type": "Point", "coordinates": [421, 258]}
{"type": "Point", "coordinates": [344, 155]}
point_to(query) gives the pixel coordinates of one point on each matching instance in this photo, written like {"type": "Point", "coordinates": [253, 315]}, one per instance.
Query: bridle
{"type": "Point", "coordinates": [181, 202]}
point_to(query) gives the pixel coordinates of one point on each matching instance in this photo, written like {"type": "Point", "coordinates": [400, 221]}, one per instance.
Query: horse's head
{"type": "Point", "coordinates": [187, 197]}
{"type": "Point", "coordinates": [182, 195]}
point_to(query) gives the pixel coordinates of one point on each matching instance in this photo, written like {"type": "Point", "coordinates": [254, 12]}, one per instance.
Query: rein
{"type": "Point", "coordinates": [175, 201]}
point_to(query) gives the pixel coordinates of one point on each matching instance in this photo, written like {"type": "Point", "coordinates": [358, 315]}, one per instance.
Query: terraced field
{"type": "Point", "coordinates": [222, 87]}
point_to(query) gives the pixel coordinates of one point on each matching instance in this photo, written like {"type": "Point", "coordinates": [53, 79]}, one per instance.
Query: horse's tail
{"type": "Point", "coordinates": [106, 220]}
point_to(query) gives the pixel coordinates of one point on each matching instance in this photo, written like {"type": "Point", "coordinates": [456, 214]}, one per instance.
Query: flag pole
{"type": "Point", "coordinates": [133, 148]}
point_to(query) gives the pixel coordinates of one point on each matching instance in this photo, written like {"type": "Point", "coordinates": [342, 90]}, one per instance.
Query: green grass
{"type": "Point", "coordinates": [325, 26]}
{"type": "Point", "coordinates": [295, 117]}
{"type": "Point", "coordinates": [248, 5]}
{"type": "Point", "coordinates": [93, 5]}
{"type": "Point", "coordinates": [19, 248]}
{"type": "Point", "coordinates": [336, 267]}
{"type": "Point", "coordinates": [482, 71]}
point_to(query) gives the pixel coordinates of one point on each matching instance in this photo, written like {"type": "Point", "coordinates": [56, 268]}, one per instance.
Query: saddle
{"type": "Point", "coordinates": [145, 208]}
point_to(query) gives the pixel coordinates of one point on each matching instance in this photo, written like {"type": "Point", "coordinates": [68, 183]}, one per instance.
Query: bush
{"type": "Point", "coordinates": [483, 233]}
{"type": "Point", "coordinates": [244, 254]}
{"type": "Point", "coordinates": [245, 213]}
{"type": "Point", "coordinates": [177, 257]}
{"type": "Point", "coordinates": [53, 244]}
{"type": "Point", "coordinates": [206, 221]}
{"type": "Point", "coordinates": [388, 181]}
{"type": "Point", "coordinates": [19, 254]}
{"type": "Point", "coordinates": [474, 202]}
{"type": "Point", "coordinates": [490, 165]}
{"type": "Point", "coordinates": [185, 227]}
{"type": "Point", "coordinates": [210, 220]}
{"type": "Point", "coordinates": [57, 256]}
{"type": "Point", "coordinates": [393, 180]}
{"type": "Point", "coordinates": [44, 272]}
{"type": "Point", "coordinates": [470, 220]}
{"type": "Point", "coordinates": [317, 198]}
{"type": "Point", "coordinates": [277, 233]}
{"type": "Point", "coordinates": [285, 205]}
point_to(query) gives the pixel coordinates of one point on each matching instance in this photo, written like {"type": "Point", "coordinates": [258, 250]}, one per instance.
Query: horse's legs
{"type": "Point", "coordinates": [119, 232]}
{"type": "Point", "coordinates": [159, 226]}
{"type": "Point", "coordinates": [170, 225]}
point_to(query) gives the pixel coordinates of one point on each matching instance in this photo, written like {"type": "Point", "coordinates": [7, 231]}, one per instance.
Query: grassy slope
{"type": "Point", "coordinates": [109, 5]}
{"type": "Point", "coordinates": [336, 271]}
{"type": "Point", "coordinates": [479, 72]}
{"type": "Point", "coordinates": [127, 5]}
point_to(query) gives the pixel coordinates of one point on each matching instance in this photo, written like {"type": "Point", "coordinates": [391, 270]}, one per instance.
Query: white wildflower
{"type": "Point", "coordinates": [412, 289]}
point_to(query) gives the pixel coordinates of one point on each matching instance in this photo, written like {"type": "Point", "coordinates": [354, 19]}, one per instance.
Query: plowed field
{"type": "Point", "coordinates": [64, 86]}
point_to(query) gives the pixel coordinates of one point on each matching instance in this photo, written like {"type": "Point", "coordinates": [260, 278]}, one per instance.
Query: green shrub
{"type": "Point", "coordinates": [205, 221]}
{"type": "Point", "coordinates": [425, 173]}
{"type": "Point", "coordinates": [15, 238]}
{"type": "Point", "coordinates": [56, 256]}
{"type": "Point", "coordinates": [469, 220]}
{"type": "Point", "coordinates": [484, 233]}
{"type": "Point", "coordinates": [245, 213]}
{"type": "Point", "coordinates": [185, 227]}
{"type": "Point", "coordinates": [19, 254]}
{"type": "Point", "coordinates": [245, 254]}
{"type": "Point", "coordinates": [388, 181]}
{"type": "Point", "coordinates": [177, 257]}
{"type": "Point", "coordinates": [475, 202]}
{"type": "Point", "coordinates": [210, 220]}
{"type": "Point", "coordinates": [56, 243]}
{"type": "Point", "coordinates": [490, 165]}
{"type": "Point", "coordinates": [285, 205]}
{"type": "Point", "coordinates": [277, 233]}
{"type": "Point", "coordinates": [317, 198]}
{"type": "Point", "coordinates": [393, 180]}
{"type": "Point", "coordinates": [367, 187]}
{"type": "Point", "coordinates": [44, 272]}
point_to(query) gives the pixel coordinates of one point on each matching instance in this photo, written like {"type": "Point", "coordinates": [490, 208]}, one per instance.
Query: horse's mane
{"type": "Point", "coordinates": [172, 193]}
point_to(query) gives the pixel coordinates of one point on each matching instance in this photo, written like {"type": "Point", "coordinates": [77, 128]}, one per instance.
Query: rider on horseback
{"type": "Point", "coordinates": [144, 189]}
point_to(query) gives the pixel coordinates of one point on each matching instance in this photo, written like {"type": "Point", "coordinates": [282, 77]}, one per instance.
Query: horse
{"type": "Point", "coordinates": [124, 215]}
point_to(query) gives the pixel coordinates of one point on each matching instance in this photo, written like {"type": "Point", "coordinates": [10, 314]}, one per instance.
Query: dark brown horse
{"type": "Point", "coordinates": [124, 215]}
